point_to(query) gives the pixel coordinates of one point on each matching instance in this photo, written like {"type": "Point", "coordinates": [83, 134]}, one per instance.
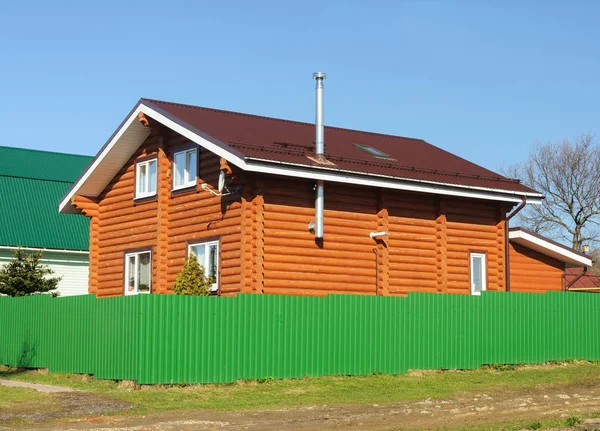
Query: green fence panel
{"type": "Point", "coordinates": [179, 339]}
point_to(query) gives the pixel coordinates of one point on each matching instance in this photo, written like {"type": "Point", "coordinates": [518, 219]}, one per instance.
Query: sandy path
{"type": "Point", "coordinates": [36, 386]}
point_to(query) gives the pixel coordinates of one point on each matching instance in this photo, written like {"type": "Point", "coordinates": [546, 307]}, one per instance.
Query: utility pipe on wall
{"type": "Point", "coordinates": [507, 241]}
{"type": "Point", "coordinates": [376, 252]}
{"type": "Point", "coordinates": [320, 153]}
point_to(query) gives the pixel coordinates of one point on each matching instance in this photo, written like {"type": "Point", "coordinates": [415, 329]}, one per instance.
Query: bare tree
{"type": "Point", "coordinates": [568, 174]}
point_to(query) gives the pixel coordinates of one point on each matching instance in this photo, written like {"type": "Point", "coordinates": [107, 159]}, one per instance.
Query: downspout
{"type": "Point", "coordinates": [507, 241]}
{"type": "Point", "coordinates": [376, 252]}
{"type": "Point", "coordinates": [576, 279]}
{"type": "Point", "coordinates": [320, 154]}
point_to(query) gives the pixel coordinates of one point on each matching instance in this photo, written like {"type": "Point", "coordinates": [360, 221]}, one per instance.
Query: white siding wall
{"type": "Point", "coordinates": [73, 268]}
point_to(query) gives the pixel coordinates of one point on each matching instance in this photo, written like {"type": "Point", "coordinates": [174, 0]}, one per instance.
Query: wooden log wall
{"type": "Point", "coordinates": [200, 216]}
{"type": "Point", "coordinates": [167, 223]}
{"type": "Point", "coordinates": [294, 263]}
{"type": "Point", "coordinates": [89, 207]}
{"type": "Point", "coordinates": [531, 271]}
{"type": "Point", "coordinates": [265, 246]}
{"type": "Point", "coordinates": [412, 243]}
{"type": "Point", "coordinates": [474, 226]}
{"type": "Point", "coordinates": [123, 225]}
{"type": "Point", "coordinates": [427, 249]}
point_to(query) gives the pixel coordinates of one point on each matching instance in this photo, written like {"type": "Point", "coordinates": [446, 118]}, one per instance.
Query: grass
{"type": "Point", "coordinates": [376, 389]}
{"type": "Point", "coordinates": [13, 397]}
{"type": "Point", "coordinates": [17, 404]}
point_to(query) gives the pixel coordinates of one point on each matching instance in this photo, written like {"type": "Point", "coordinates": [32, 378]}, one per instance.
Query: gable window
{"type": "Point", "coordinates": [478, 273]}
{"type": "Point", "coordinates": [185, 168]}
{"type": "Point", "coordinates": [145, 179]}
{"type": "Point", "coordinates": [138, 272]}
{"type": "Point", "coordinates": [207, 254]}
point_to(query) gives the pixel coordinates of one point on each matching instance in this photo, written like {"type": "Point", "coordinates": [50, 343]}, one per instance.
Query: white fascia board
{"type": "Point", "coordinates": [113, 141]}
{"type": "Point", "coordinates": [211, 145]}
{"type": "Point", "coordinates": [299, 171]}
{"type": "Point", "coordinates": [141, 107]}
{"type": "Point", "coordinates": [548, 248]}
{"type": "Point", "coordinates": [374, 180]}
{"type": "Point", "coordinates": [53, 250]}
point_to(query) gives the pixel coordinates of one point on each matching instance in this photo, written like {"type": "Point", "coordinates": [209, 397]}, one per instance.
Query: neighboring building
{"type": "Point", "coordinates": [538, 264]}
{"type": "Point", "coordinates": [153, 196]}
{"type": "Point", "coordinates": [588, 282]}
{"type": "Point", "coordinates": [31, 184]}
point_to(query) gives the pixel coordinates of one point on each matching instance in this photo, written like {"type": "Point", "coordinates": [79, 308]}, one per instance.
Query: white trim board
{"type": "Point", "coordinates": [131, 134]}
{"type": "Point", "coordinates": [548, 248]}
{"type": "Point", "coordinates": [388, 182]}
{"type": "Point", "coordinates": [53, 250]}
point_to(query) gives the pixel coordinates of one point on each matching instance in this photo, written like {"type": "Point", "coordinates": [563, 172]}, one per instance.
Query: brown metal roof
{"type": "Point", "coordinates": [588, 281]}
{"type": "Point", "coordinates": [284, 141]}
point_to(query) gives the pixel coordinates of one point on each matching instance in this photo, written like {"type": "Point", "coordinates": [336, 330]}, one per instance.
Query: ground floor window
{"type": "Point", "coordinates": [207, 254]}
{"type": "Point", "coordinates": [138, 272]}
{"type": "Point", "coordinates": [478, 273]}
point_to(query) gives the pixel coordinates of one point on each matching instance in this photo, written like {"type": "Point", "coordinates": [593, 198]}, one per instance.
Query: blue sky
{"type": "Point", "coordinates": [483, 80]}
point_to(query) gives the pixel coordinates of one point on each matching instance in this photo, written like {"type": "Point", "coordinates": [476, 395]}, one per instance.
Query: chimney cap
{"type": "Point", "coordinates": [319, 75]}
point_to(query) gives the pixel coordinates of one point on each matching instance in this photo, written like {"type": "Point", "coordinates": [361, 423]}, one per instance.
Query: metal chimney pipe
{"type": "Point", "coordinates": [320, 210]}
{"type": "Point", "coordinates": [319, 121]}
{"type": "Point", "coordinates": [320, 153]}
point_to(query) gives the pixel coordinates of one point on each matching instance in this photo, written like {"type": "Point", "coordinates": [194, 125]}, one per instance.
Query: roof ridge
{"type": "Point", "coordinates": [45, 151]}
{"type": "Point", "coordinates": [301, 123]}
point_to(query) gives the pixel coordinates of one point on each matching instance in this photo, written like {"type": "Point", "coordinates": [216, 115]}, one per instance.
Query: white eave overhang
{"type": "Point", "coordinates": [131, 134]}
{"type": "Point", "coordinates": [549, 248]}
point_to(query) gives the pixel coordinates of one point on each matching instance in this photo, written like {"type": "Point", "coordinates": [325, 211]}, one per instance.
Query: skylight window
{"type": "Point", "coordinates": [374, 152]}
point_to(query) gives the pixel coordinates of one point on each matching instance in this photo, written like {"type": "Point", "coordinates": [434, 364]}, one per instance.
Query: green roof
{"type": "Point", "coordinates": [32, 183]}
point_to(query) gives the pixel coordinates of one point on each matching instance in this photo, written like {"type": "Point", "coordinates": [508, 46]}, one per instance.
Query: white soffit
{"type": "Point", "coordinates": [549, 248]}
{"type": "Point", "coordinates": [131, 134]}
{"type": "Point", "coordinates": [107, 164]}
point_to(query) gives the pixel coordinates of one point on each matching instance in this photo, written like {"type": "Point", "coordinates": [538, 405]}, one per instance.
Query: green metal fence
{"type": "Point", "coordinates": [167, 338]}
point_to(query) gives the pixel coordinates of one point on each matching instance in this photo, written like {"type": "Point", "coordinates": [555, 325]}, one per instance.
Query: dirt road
{"type": "Point", "coordinates": [473, 408]}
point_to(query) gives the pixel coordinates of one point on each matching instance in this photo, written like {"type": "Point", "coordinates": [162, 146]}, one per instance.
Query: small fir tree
{"type": "Point", "coordinates": [25, 275]}
{"type": "Point", "coordinates": [191, 280]}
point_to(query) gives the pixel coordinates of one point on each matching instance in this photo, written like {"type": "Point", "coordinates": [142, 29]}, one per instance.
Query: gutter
{"type": "Point", "coordinates": [507, 239]}
{"type": "Point", "coordinates": [299, 170]}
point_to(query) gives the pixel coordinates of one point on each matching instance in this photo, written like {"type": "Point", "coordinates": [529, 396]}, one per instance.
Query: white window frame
{"type": "Point", "coordinates": [483, 257]}
{"type": "Point", "coordinates": [214, 287]}
{"type": "Point", "coordinates": [189, 178]}
{"type": "Point", "coordinates": [136, 282]}
{"type": "Point", "coordinates": [138, 167]}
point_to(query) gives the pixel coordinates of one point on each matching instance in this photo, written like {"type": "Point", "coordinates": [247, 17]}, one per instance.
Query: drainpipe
{"type": "Point", "coordinates": [376, 271]}
{"type": "Point", "coordinates": [576, 279]}
{"type": "Point", "coordinates": [320, 153]}
{"type": "Point", "coordinates": [507, 248]}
